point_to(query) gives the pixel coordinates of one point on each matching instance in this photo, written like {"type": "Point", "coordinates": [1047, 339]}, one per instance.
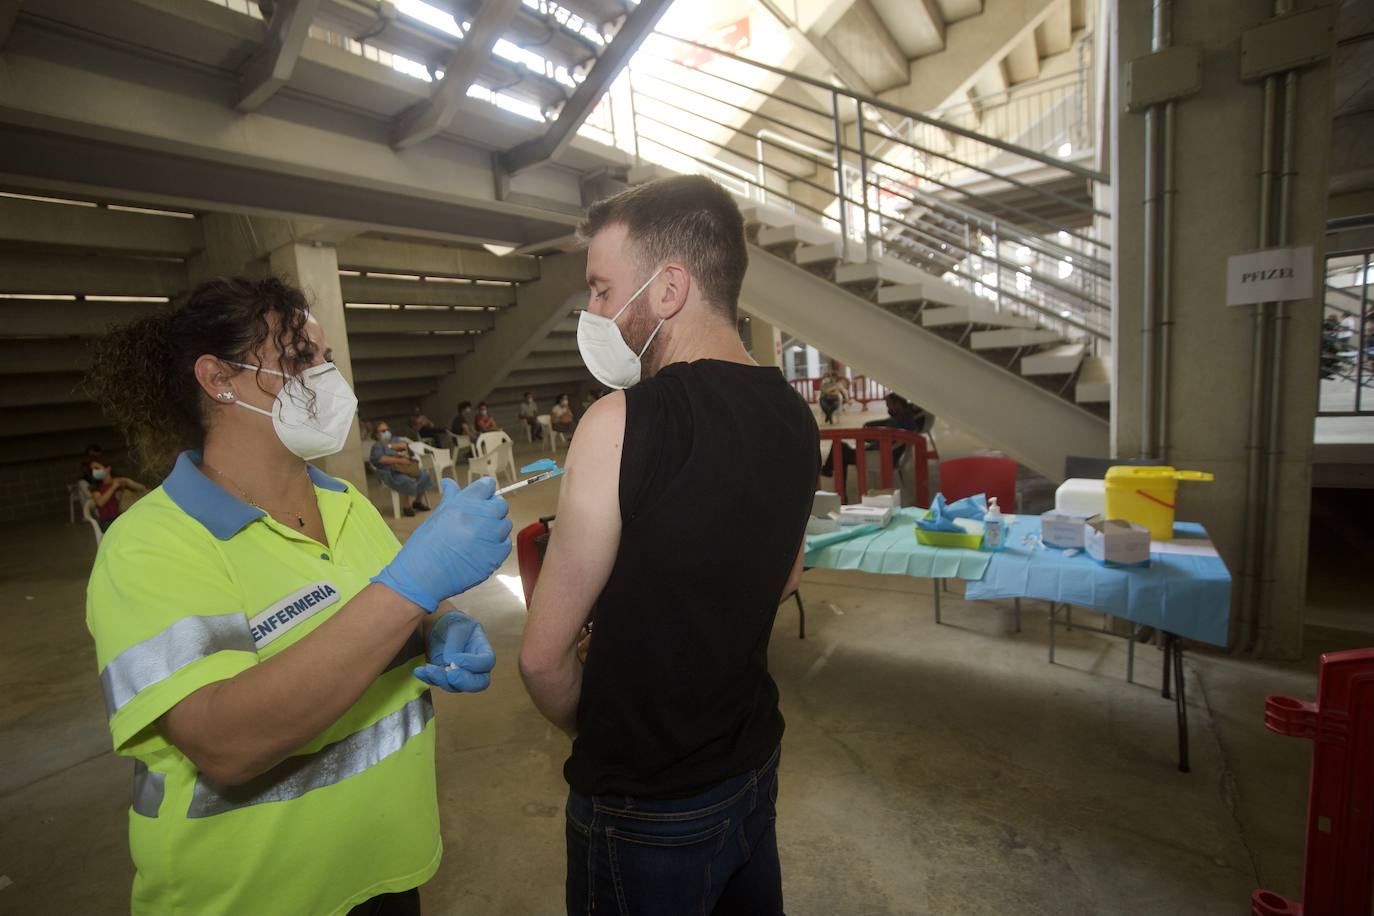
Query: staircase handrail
{"type": "Point", "coordinates": [1025, 152]}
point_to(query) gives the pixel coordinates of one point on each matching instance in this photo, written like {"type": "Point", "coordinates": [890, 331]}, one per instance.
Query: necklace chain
{"type": "Point", "coordinates": [300, 516]}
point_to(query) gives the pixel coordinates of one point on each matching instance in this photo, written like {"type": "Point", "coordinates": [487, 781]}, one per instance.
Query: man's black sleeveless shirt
{"type": "Point", "coordinates": [716, 479]}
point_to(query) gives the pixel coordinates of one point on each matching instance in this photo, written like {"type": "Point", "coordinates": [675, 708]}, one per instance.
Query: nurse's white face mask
{"type": "Point", "coordinates": [313, 413]}
{"type": "Point", "coordinates": [609, 359]}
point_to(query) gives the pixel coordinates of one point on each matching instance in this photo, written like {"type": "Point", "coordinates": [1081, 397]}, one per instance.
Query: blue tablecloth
{"type": "Point", "coordinates": [894, 550]}
{"type": "Point", "coordinates": [1186, 595]}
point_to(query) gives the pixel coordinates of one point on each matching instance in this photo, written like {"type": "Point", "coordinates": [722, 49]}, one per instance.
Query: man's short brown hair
{"type": "Point", "coordinates": [689, 219]}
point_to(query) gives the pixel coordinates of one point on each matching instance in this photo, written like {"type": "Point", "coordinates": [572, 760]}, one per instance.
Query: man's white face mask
{"type": "Point", "coordinates": [609, 359]}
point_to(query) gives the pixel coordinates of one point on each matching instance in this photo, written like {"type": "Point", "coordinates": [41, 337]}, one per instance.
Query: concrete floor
{"type": "Point", "coordinates": [926, 769]}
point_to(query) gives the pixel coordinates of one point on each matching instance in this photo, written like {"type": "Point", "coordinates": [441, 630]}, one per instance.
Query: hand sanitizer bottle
{"type": "Point", "coordinates": [994, 526]}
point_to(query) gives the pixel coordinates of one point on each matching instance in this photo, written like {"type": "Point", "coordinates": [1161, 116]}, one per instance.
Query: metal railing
{"type": "Point", "coordinates": [1014, 225]}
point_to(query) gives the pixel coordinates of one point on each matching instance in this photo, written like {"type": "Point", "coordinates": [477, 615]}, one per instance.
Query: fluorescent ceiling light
{"type": "Point", "coordinates": [499, 250]}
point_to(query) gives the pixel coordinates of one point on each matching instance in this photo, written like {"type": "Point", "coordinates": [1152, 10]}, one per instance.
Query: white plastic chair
{"type": "Point", "coordinates": [546, 421]}
{"type": "Point", "coordinates": [395, 497]}
{"type": "Point", "coordinates": [493, 452]}
{"type": "Point", "coordinates": [77, 495]}
{"type": "Point", "coordinates": [439, 459]}
{"type": "Point", "coordinates": [88, 512]}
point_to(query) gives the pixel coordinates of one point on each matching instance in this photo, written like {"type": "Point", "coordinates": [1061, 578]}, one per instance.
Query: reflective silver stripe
{"type": "Point", "coordinates": [148, 788]}
{"type": "Point", "coordinates": [159, 657]}
{"type": "Point", "coordinates": [332, 763]}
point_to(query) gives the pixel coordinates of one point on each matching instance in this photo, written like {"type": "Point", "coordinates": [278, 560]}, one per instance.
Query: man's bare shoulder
{"type": "Point", "coordinates": [605, 417]}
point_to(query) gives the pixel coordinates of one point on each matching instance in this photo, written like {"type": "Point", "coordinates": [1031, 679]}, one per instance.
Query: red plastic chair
{"type": "Point", "coordinates": [961, 477]}
{"type": "Point", "coordinates": [530, 545]}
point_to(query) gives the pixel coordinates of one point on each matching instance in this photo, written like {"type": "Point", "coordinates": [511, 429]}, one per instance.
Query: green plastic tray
{"type": "Point", "coordinates": [948, 538]}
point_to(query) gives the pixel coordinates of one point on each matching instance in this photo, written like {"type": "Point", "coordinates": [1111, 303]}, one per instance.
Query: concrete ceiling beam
{"type": "Point", "coordinates": [542, 305]}
{"type": "Point", "coordinates": [409, 367]}
{"type": "Point", "coordinates": [391, 409]}
{"type": "Point", "coordinates": [1055, 34]}
{"type": "Point", "coordinates": [46, 273]}
{"type": "Point", "coordinates": [271, 66]}
{"type": "Point", "coordinates": [433, 116]}
{"type": "Point", "coordinates": [32, 222]}
{"type": "Point", "coordinates": [638, 24]}
{"type": "Point", "coordinates": [542, 359]}
{"type": "Point", "coordinates": [917, 26]}
{"type": "Point", "coordinates": [862, 38]}
{"type": "Point", "coordinates": [399, 389]}
{"type": "Point", "coordinates": [393, 321]}
{"type": "Point", "coordinates": [25, 355]}
{"type": "Point", "coordinates": [367, 347]}
{"type": "Point", "coordinates": [525, 377]}
{"type": "Point", "coordinates": [46, 419]}
{"type": "Point", "coordinates": [67, 317]}
{"type": "Point", "coordinates": [971, 45]}
{"type": "Point", "coordinates": [431, 260]}
{"type": "Point", "coordinates": [1023, 61]}
{"type": "Point", "coordinates": [9, 11]}
{"type": "Point", "coordinates": [43, 389]}
{"type": "Point", "coordinates": [420, 292]}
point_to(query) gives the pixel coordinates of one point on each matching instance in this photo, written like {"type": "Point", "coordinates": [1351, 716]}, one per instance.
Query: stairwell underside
{"type": "Point", "coordinates": [1036, 427]}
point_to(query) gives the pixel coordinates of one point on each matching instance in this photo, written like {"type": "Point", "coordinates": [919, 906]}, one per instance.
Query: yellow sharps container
{"type": "Point", "coordinates": [1147, 496]}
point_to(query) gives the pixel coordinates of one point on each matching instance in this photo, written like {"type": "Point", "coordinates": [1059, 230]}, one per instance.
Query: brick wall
{"type": "Point", "coordinates": [38, 489]}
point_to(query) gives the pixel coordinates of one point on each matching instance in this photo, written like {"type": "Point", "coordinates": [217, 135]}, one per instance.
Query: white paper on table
{"type": "Point", "coordinates": [1188, 547]}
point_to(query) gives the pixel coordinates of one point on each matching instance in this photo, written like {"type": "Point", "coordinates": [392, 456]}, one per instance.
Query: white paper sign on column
{"type": "Point", "coordinates": [1271, 275]}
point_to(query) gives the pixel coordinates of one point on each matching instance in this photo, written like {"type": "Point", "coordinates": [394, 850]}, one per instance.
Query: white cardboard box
{"type": "Point", "coordinates": [824, 503]}
{"type": "Point", "coordinates": [1117, 542]}
{"type": "Point", "coordinates": [865, 515]}
{"type": "Point", "coordinates": [890, 499]}
{"type": "Point", "coordinates": [1081, 496]}
{"type": "Point", "coordinates": [1063, 529]}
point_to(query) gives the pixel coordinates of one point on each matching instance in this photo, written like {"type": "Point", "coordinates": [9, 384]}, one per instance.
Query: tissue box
{"type": "Point", "coordinates": [1062, 529]}
{"type": "Point", "coordinates": [1080, 496]}
{"type": "Point", "coordinates": [824, 503]}
{"type": "Point", "coordinates": [865, 515]}
{"type": "Point", "coordinates": [890, 499]}
{"type": "Point", "coordinates": [1117, 542]}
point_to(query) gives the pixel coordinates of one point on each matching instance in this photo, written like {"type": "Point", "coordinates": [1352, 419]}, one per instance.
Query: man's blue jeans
{"type": "Point", "coordinates": [715, 853]}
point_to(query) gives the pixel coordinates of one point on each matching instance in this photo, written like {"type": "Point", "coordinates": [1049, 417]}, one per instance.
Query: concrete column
{"type": "Point", "coordinates": [1216, 212]}
{"type": "Point", "coordinates": [315, 268]}
{"type": "Point", "coordinates": [765, 342]}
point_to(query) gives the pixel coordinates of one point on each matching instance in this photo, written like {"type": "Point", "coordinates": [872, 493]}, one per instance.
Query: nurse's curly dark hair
{"type": "Point", "coordinates": [143, 373]}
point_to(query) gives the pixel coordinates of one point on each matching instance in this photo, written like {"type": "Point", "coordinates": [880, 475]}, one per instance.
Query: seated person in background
{"type": "Point", "coordinates": [398, 471]}
{"type": "Point", "coordinates": [421, 426]}
{"type": "Point", "coordinates": [529, 412]}
{"type": "Point", "coordinates": [561, 416]}
{"type": "Point", "coordinates": [462, 421]}
{"type": "Point", "coordinates": [105, 490]}
{"type": "Point", "coordinates": [486, 423]}
{"type": "Point", "coordinates": [93, 453]}
{"type": "Point", "coordinates": [901, 414]}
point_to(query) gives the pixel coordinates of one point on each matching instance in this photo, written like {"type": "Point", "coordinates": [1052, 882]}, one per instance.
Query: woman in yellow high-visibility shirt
{"type": "Point", "coordinates": [257, 623]}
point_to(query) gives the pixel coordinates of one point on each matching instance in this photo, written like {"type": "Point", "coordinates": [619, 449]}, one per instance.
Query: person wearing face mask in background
{"type": "Point", "coordinates": [561, 416]}
{"type": "Point", "coordinates": [388, 458]}
{"type": "Point", "coordinates": [680, 527]}
{"type": "Point", "coordinates": [486, 423]}
{"type": "Point", "coordinates": [105, 490]}
{"type": "Point", "coordinates": [261, 637]}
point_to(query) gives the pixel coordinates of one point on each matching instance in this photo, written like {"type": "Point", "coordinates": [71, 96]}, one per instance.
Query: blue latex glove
{"type": "Point", "coordinates": [460, 657]}
{"type": "Point", "coordinates": [463, 542]}
{"type": "Point", "coordinates": [942, 514]}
